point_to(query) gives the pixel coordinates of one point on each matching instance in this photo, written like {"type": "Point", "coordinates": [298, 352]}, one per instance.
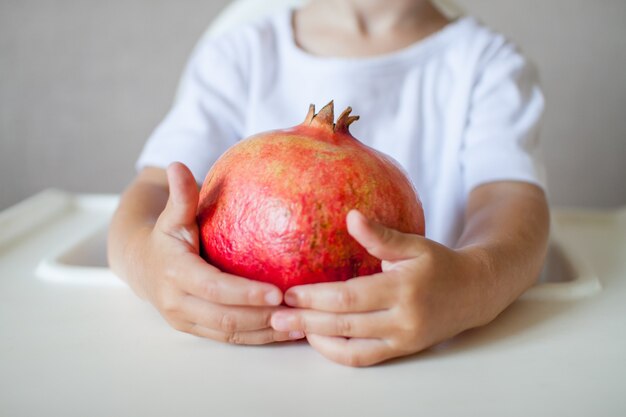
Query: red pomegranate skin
{"type": "Point", "coordinates": [273, 207]}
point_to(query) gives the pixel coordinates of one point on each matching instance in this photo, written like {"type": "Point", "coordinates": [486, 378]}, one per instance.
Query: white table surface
{"type": "Point", "coordinates": [68, 349]}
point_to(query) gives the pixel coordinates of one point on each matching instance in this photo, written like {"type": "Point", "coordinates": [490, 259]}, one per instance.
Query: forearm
{"type": "Point", "coordinates": [140, 205]}
{"type": "Point", "coordinates": [506, 230]}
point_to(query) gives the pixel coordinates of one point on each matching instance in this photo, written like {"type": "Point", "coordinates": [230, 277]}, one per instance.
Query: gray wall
{"type": "Point", "coordinates": [580, 49]}
{"type": "Point", "coordinates": [83, 83]}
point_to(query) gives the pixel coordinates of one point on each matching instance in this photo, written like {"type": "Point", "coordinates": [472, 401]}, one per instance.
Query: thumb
{"type": "Point", "coordinates": [179, 215]}
{"type": "Point", "coordinates": [382, 242]}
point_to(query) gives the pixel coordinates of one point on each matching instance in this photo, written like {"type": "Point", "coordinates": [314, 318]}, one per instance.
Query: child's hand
{"type": "Point", "coordinates": [424, 295]}
{"type": "Point", "coordinates": [193, 296]}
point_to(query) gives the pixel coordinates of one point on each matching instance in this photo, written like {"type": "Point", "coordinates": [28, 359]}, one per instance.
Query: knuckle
{"type": "Point", "coordinates": [412, 333]}
{"type": "Point", "coordinates": [235, 338]}
{"type": "Point", "coordinates": [270, 336]}
{"type": "Point", "coordinates": [410, 320]}
{"type": "Point", "coordinates": [278, 337]}
{"type": "Point", "coordinates": [183, 234]}
{"type": "Point", "coordinates": [403, 347]}
{"type": "Point", "coordinates": [427, 256]}
{"type": "Point", "coordinates": [411, 328]}
{"type": "Point", "coordinates": [344, 326]}
{"type": "Point", "coordinates": [265, 318]}
{"type": "Point", "coordinates": [346, 298]}
{"type": "Point", "coordinates": [254, 295]}
{"type": "Point", "coordinates": [353, 360]}
{"type": "Point", "coordinates": [168, 304]}
{"type": "Point", "coordinates": [409, 295]}
{"type": "Point", "coordinates": [387, 236]}
{"type": "Point", "coordinates": [300, 322]}
{"type": "Point", "coordinates": [304, 299]}
{"type": "Point", "coordinates": [221, 337]}
{"type": "Point", "coordinates": [180, 326]}
{"type": "Point", "coordinates": [172, 271]}
{"type": "Point", "coordinates": [228, 323]}
{"type": "Point", "coordinates": [211, 290]}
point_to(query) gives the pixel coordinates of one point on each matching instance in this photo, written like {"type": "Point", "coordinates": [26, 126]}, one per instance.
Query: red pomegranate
{"type": "Point", "coordinates": [273, 207]}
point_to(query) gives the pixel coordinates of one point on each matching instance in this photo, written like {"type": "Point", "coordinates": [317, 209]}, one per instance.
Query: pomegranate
{"type": "Point", "coordinates": [273, 207]}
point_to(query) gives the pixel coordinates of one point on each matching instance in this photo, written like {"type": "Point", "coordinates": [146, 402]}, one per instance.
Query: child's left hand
{"type": "Point", "coordinates": [425, 294]}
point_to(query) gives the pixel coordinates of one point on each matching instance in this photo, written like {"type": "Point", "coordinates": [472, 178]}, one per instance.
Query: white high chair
{"type": "Point", "coordinates": [243, 11]}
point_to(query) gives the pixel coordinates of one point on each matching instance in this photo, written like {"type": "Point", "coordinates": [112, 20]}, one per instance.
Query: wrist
{"type": "Point", "coordinates": [132, 257]}
{"type": "Point", "coordinates": [481, 273]}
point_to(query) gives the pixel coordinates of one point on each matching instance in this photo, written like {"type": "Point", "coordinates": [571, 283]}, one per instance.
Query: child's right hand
{"type": "Point", "coordinates": [192, 295]}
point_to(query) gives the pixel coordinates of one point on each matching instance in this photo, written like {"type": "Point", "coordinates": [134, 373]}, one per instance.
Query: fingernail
{"type": "Point", "coordinates": [280, 322]}
{"type": "Point", "coordinates": [296, 334]}
{"type": "Point", "coordinates": [272, 298]}
{"type": "Point", "coordinates": [291, 299]}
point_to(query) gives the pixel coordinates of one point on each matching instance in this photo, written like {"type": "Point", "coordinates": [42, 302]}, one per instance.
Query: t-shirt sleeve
{"type": "Point", "coordinates": [501, 140]}
{"type": "Point", "coordinates": [208, 114]}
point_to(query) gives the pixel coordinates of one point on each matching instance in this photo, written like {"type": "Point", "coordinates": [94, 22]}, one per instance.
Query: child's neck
{"type": "Point", "coordinates": [359, 28]}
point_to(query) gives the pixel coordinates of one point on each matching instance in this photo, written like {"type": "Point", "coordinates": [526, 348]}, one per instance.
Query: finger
{"type": "Point", "coordinates": [352, 352]}
{"type": "Point", "coordinates": [367, 325]}
{"type": "Point", "coordinates": [380, 241]}
{"type": "Point", "coordinates": [369, 293]}
{"type": "Point", "coordinates": [227, 319]}
{"type": "Point", "coordinates": [194, 276]}
{"type": "Point", "coordinates": [256, 337]}
{"type": "Point", "coordinates": [179, 216]}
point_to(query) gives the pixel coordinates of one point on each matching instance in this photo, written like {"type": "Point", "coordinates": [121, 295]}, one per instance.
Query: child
{"type": "Point", "coordinates": [454, 103]}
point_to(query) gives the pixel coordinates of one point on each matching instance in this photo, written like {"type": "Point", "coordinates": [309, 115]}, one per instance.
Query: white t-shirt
{"type": "Point", "coordinates": [456, 110]}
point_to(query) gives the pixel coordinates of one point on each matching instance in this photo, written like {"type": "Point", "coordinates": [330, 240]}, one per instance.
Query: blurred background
{"type": "Point", "coordinates": [84, 82]}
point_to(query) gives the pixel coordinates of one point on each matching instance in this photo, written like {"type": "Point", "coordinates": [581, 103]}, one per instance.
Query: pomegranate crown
{"type": "Point", "coordinates": [325, 119]}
